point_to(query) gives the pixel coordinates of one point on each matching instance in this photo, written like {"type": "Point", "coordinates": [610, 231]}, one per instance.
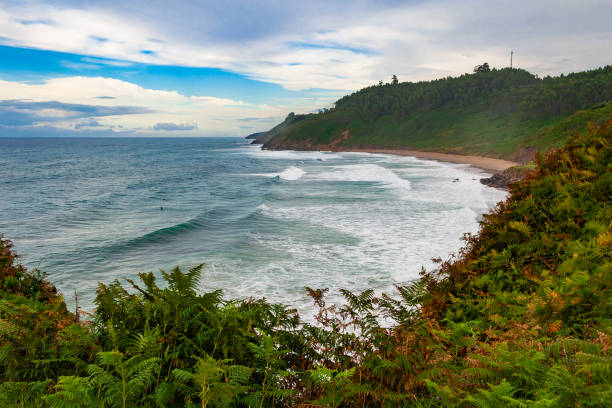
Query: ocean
{"type": "Point", "coordinates": [264, 223]}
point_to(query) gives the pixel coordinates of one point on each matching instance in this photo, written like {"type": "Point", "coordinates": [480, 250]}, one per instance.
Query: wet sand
{"type": "Point", "coordinates": [486, 163]}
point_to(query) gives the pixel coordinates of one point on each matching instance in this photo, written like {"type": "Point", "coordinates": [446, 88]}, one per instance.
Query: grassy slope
{"type": "Point", "coordinates": [281, 128]}
{"type": "Point", "coordinates": [447, 130]}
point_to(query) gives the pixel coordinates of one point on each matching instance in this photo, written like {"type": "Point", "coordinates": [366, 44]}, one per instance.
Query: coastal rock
{"type": "Point", "coordinates": [509, 176]}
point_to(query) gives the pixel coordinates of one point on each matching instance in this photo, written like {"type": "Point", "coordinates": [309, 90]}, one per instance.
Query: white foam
{"type": "Point", "coordinates": [290, 154]}
{"type": "Point", "coordinates": [354, 237]}
{"type": "Point", "coordinates": [291, 173]}
{"type": "Point", "coordinates": [365, 172]}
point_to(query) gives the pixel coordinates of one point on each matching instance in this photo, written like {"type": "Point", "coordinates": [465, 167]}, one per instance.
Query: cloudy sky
{"type": "Point", "coordinates": [230, 68]}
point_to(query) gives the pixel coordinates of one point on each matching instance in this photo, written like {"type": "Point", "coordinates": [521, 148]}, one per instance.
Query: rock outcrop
{"type": "Point", "coordinates": [508, 176]}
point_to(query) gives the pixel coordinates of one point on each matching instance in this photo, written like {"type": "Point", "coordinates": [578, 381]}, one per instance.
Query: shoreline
{"type": "Point", "coordinates": [481, 162]}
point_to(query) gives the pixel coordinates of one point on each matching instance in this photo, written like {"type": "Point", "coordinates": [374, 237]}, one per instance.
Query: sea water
{"type": "Point", "coordinates": [264, 223]}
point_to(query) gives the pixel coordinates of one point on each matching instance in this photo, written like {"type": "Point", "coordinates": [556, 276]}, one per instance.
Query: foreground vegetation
{"type": "Point", "coordinates": [522, 317]}
{"type": "Point", "coordinates": [506, 113]}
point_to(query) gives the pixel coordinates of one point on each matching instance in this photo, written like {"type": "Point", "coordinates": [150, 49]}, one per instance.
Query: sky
{"type": "Point", "coordinates": [230, 68]}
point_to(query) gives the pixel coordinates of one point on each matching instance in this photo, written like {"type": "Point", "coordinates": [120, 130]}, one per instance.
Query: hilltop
{"type": "Point", "coordinates": [499, 113]}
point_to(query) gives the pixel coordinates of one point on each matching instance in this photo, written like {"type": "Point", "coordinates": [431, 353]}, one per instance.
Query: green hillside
{"type": "Point", "coordinates": [506, 113]}
{"type": "Point", "coordinates": [522, 317]}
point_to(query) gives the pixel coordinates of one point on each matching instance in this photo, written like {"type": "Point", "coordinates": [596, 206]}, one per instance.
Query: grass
{"type": "Point", "coordinates": [447, 130]}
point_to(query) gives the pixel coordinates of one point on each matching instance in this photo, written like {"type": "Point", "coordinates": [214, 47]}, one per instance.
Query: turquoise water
{"type": "Point", "coordinates": [266, 224]}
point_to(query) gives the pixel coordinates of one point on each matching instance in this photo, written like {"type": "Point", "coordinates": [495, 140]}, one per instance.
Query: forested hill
{"type": "Point", "coordinates": [506, 113]}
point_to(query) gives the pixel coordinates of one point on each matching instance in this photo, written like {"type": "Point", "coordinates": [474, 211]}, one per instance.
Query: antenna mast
{"type": "Point", "coordinates": [511, 53]}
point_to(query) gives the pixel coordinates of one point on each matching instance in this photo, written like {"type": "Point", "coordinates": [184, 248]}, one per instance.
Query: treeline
{"type": "Point", "coordinates": [520, 318]}
{"type": "Point", "coordinates": [501, 113]}
{"type": "Point", "coordinates": [506, 90]}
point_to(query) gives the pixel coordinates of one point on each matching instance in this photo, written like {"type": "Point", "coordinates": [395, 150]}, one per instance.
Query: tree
{"type": "Point", "coordinates": [478, 69]}
{"type": "Point", "coordinates": [394, 80]}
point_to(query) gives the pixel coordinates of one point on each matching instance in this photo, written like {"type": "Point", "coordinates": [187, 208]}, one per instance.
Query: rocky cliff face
{"type": "Point", "coordinates": [508, 176]}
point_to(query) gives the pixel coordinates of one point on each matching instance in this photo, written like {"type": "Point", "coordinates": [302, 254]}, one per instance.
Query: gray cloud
{"type": "Point", "coordinates": [74, 108]}
{"type": "Point", "coordinates": [87, 123]}
{"type": "Point", "coordinates": [174, 126]}
{"type": "Point", "coordinates": [98, 39]}
{"type": "Point", "coordinates": [52, 131]}
{"type": "Point", "coordinates": [266, 119]}
{"type": "Point", "coordinates": [24, 112]}
{"type": "Point", "coordinates": [33, 22]}
{"type": "Point", "coordinates": [15, 114]}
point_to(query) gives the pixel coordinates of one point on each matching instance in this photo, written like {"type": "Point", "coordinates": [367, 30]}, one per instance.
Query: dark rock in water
{"type": "Point", "coordinates": [499, 180]}
{"type": "Point", "coordinates": [504, 179]}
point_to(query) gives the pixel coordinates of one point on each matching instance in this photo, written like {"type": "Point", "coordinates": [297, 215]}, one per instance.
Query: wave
{"type": "Point", "coordinates": [262, 207]}
{"type": "Point", "coordinates": [165, 233]}
{"type": "Point", "coordinates": [209, 219]}
{"type": "Point", "coordinates": [365, 173]}
{"type": "Point", "coordinates": [291, 154]}
{"type": "Point", "coordinates": [291, 173]}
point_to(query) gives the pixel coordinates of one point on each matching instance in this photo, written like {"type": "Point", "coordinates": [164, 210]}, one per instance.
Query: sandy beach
{"type": "Point", "coordinates": [486, 163]}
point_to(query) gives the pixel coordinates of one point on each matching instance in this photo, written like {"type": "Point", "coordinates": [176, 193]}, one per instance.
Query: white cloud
{"type": "Point", "coordinates": [204, 115]}
{"type": "Point", "coordinates": [420, 40]}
